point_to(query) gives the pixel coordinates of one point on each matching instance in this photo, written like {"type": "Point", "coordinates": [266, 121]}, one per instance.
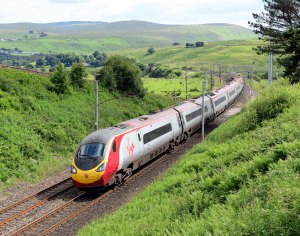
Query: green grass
{"type": "Point", "coordinates": [227, 53]}
{"type": "Point", "coordinates": [86, 43]}
{"type": "Point", "coordinates": [49, 126]}
{"type": "Point", "coordinates": [243, 180]}
{"type": "Point", "coordinates": [157, 85]}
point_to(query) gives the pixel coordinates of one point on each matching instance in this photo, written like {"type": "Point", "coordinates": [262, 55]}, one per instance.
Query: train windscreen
{"type": "Point", "coordinates": [91, 150]}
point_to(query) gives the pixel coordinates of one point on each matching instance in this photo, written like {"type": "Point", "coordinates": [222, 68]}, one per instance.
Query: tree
{"type": "Point", "coordinates": [52, 69]}
{"type": "Point", "coordinates": [59, 78]}
{"type": "Point", "coordinates": [96, 54]}
{"type": "Point", "coordinates": [30, 32]}
{"type": "Point", "coordinates": [98, 63]}
{"type": "Point", "coordinates": [77, 74]}
{"type": "Point", "coordinates": [51, 60]}
{"type": "Point", "coordinates": [151, 65]}
{"type": "Point", "coordinates": [189, 45]}
{"type": "Point", "coordinates": [199, 44]}
{"type": "Point", "coordinates": [25, 36]}
{"type": "Point", "coordinates": [151, 50]}
{"type": "Point", "coordinates": [43, 34]}
{"type": "Point", "coordinates": [119, 73]}
{"type": "Point", "coordinates": [43, 68]}
{"type": "Point", "coordinates": [40, 62]}
{"type": "Point", "coordinates": [29, 66]}
{"type": "Point", "coordinates": [16, 63]}
{"type": "Point", "coordinates": [176, 44]}
{"type": "Point", "coordinates": [16, 49]}
{"type": "Point", "coordinates": [281, 22]}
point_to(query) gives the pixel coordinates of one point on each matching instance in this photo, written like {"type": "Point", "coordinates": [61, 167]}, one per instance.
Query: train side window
{"type": "Point", "coordinates": [139, 137]}
{"type": "Point", "coordinates": [114, 146]}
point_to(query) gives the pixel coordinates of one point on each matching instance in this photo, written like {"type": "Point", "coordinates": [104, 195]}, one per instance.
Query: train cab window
{"type": "Point", "coordinates": [114, 146]}
{"type": "Point", "coordinates": [139, 137]}
{"type": "Point", "coordinates": [91, 151]}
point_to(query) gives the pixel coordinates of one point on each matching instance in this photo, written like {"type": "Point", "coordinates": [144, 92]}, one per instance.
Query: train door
{"type": "Point", "coordinates": [140, 142]}
{"type": "Point", "coordinates": [181, 123]}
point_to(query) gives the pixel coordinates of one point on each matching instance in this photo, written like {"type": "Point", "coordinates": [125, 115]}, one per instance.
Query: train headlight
{"type": "Point", "coordinates": [73, 170]}
{"type": "Point", "coordinates": [102, 167]}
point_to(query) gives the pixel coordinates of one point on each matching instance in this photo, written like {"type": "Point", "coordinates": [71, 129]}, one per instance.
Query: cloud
{"type": "Point", "coordinates": [67, 1]}
{"type": "Point", "coordinates": [159, 11]}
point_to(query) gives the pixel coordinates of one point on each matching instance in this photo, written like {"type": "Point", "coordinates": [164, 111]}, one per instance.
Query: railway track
{"type": "Point", "coordinates": [10, 215]}
{"type": "Point", "coordinates": [60, 214]}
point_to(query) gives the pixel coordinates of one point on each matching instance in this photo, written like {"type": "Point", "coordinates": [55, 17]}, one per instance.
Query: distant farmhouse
{"type": "Point", "coordinates": [9, 40]}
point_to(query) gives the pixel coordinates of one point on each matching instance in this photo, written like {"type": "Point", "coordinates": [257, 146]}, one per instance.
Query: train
{"type": "Point", "coordinates": [109, 156]}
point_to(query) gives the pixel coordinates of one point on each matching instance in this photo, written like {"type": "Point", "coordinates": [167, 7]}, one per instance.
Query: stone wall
{"type": "Point", "coordinates": [27, 70]}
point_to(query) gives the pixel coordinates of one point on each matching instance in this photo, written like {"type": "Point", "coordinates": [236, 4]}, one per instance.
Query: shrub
{"type": "Point", "coordinates": [60, 78]}
{"type": "Point", "coordinates": [77, 74]}
{"type": "Point", "coordinates": [256, 78]}
{"type": "Point", "coordinates": [119, 73]}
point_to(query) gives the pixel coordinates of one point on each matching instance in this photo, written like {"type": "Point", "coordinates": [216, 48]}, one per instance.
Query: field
{"type": "Point", "coordinates": [227, 53]}
{"type": "Point", "coordinates": [40, 130]}
{"type": "Point", "coordinates": [157, 85]}
{"type": "Point", "coordinates": [243, 180]}
{"type": "Point", "coordinates": [88, 42]}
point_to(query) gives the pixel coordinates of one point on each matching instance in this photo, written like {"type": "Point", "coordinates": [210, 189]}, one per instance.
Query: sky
{"type": "Point", "coordinates": [177, 12]}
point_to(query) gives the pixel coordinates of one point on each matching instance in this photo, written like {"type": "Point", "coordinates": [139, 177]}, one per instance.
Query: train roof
{"type": "Point", "coordinates": [154, 116]}
{"type": "Point", "coordinates": [103, 135]}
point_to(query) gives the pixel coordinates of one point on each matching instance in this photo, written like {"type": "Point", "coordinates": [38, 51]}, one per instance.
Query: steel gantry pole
{"type": "Point", "coordinates": [270, 64]}
{"type": "Point", "coordinates": [186, 81]}
{"type": "Point", "coordinates": [96, 101]}
{"type": "Point", "coordinates": [203, 106]}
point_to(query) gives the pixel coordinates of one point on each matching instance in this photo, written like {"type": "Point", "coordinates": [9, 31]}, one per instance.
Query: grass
{"type": "Point", "coordinates": [86, 43]}
{"type": "Point", "coordinates": [157, 85]}
{"type": "Point", "coordinates": [243, 180]}
{"type": "Point", "coordinates": [227, 53]}
{"type": "Point", "coordinates": [40, 130]}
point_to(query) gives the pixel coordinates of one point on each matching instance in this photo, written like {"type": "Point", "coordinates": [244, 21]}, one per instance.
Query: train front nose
{"type": "Point", "coordinates": [85, 170]}
{"type": "Point", "coordinates": [88, 178]}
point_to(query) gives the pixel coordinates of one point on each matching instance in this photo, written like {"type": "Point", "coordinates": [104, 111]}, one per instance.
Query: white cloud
{"type": "Point", "coordinates": [159, 11]}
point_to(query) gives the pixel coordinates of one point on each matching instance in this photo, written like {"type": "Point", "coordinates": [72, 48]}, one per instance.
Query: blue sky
{"type": "Point", "coordinates": [159, 11]}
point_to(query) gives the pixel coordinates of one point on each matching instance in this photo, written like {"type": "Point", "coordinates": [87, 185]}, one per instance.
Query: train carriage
{"type": "Point", "coordinates": [108, 156]}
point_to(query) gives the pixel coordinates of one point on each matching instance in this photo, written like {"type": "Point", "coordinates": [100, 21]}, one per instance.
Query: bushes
{"type": "Point", "coordinates": [60, 79]}
{"type": "Point", "coordinates": [120, 73]}
{"type": "Point", "coordinates": [162, 71]}
{"type": "Point", "coordinates": [268, 105]}
{"type": "Point", "coordinates": [256, 78]}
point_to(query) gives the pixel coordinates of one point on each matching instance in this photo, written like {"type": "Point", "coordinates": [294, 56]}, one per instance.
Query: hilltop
{"type": "Point", "coordinates": [84, 39]}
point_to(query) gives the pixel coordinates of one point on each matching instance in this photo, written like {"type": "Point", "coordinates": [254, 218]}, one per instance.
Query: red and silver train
{"type": "Point", "coordinates": [108, 156]}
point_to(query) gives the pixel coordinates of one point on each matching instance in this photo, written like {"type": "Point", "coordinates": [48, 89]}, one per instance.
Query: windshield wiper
{"type": "Point", "coordinates": [90, 157]}
{"type": "Point", "coordinates": [85, 156]}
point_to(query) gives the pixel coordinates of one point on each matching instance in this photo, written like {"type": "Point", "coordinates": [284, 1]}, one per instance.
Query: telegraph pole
{"type": "Point", "coordinates": [186, 82]}
{"type": "Point", "coordinates": [220, 72]}
{"type": "Point", "coordinates": [252, 81]}
{"type": "Point", "coordinates": [245, 82]}
{"type": "Point", "coordinates": [270, 64]}
{"type": "Point", "coordinates": [203, 106]}
{"type": "Point", "coordinates": [96, 101]}
{"type": "Point", "coordinates": [211, 80]}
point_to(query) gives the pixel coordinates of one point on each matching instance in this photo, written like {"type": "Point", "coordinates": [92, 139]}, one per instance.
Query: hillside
{"type": "Point", "coordinates": [40, 130]}
{"type": "Point", "coordinates": [86, 27]}
{"type": "Point", "coordinates": [228, 53]}
{"type": "Point", "coordinates": [133, 34]}
{"type": "Point", "coordinates": [243, 180]}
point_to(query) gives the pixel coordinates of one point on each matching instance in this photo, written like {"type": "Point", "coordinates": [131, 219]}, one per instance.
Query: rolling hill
{"type": "Point", "coordinates": [126, 34]}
